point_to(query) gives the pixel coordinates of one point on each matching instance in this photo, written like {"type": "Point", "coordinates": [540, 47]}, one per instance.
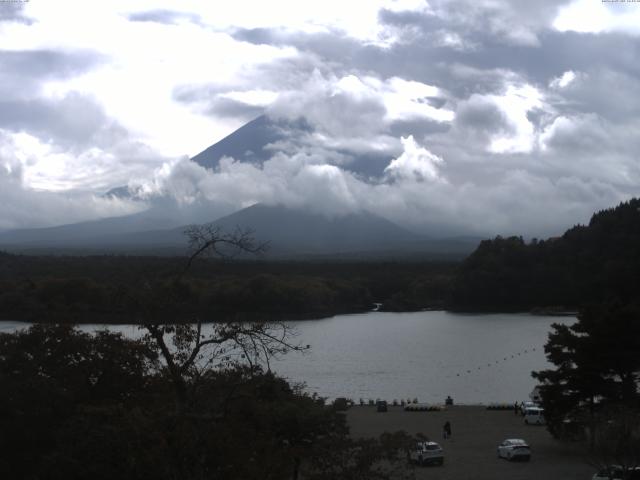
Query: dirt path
{"type": "Point", "coordinates": [470, 454]}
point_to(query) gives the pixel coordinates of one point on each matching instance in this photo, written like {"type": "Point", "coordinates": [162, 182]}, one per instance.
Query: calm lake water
{"type": "Point", "coordinates": [425, 355]}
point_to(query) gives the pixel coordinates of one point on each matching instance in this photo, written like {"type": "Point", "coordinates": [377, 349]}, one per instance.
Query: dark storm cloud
{"type": "Point", "coordinates": [166, 17]}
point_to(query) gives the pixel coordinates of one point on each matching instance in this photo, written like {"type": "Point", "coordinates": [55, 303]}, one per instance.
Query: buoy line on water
{"type": "Point", "coordinates": [507, 358]}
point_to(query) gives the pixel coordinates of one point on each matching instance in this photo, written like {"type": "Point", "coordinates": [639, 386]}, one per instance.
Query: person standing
{"type": "Point", "coordinates": [446, 430]}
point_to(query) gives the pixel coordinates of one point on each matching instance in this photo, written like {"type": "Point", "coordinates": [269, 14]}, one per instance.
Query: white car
{"type": "Point", "coordinates": [615, 472]}
{"type": "Point", "coordinates": [427, 453]}
{"type": "Point", "coordinates": [524, 406]}
{"type": "Point", "coordinates": [534, 416]}
{"type": "Point", "coordinates": [514, 449]}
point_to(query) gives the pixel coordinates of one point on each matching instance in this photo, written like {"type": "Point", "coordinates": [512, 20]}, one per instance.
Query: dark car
{"type": "Point", "coordinates": [382, 405]}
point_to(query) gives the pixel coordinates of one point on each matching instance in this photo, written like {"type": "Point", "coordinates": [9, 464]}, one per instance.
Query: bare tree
{"type": "Point", "coordinates": [211, 239]}
{"type": "Point", "coordinates": [188, 349]}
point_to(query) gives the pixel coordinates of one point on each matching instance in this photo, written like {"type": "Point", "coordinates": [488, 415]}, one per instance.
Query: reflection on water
{"type": "Point", "coordinates": [428, 355]}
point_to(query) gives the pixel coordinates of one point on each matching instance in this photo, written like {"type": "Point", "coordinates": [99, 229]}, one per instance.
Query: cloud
{"type": "Point", "coordinates": [169, 17]}
{"type": "Point", "coordinates": [563, 81]}
{"type": "Point", "coordinates": [585, 16]}
{"type": "Point", "coordinates": [480, 115]}
{"type": "Point", "coordinates": [419, 192]}
{"type": "Point", "coordinates": [25, 207]}
{"type": "Point", "coordinates": [73, 119]}
{"type": "Point", "coordinates": [416, 163]}
{"type": "Point", "coordinates": [457, 25]}
{"type": "Point", "coordinates": [13, 12]}
{"type": "Point", "coordinates": [356, 114]}
{"type": "Point", "coordinates": [22, 73]}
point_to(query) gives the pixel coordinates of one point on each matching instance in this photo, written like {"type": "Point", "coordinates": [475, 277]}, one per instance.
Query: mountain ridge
{"type": "Point", "coordinates": [288, 232]}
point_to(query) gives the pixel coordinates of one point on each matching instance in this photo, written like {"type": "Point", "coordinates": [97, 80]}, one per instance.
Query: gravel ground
{"type": "Point", "coordinates": [471, 452]}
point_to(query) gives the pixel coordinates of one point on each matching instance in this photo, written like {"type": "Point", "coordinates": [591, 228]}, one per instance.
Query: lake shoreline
{"type": "Point", "coordinates": [100, 319]}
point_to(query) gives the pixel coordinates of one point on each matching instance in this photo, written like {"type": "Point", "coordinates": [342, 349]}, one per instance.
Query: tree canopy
{"type": "Point", "coordinates": [76, 405]}
{"type": "Point", "coordinates": [597, 366]}
{"type": "Point", "coordinates": [593, 263]}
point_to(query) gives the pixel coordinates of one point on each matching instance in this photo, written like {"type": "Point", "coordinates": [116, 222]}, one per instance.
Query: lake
{"type": "Point", "coordinates": [424, 355]}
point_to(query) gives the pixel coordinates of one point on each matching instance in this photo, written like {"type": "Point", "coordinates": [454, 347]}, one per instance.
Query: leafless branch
{"type": "Point", "coordinates": [208, 239]}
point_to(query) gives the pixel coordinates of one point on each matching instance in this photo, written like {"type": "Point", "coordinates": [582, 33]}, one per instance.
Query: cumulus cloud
{"type": "Point", "coordinates": [415, 163]}
{"type": "Point", "coordinates": [564, 80]}
{"type": "Point", "coordinates": [357, 114]}
{"type": "Point", "coordinates": [478, 115]}
{"type": "Point", "coordinates": [416, 193]}
{"type": "Point", "coordinates": [24, 207]}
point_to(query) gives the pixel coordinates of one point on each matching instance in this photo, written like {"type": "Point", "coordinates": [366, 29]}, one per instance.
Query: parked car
{"type": "Point", "coordinates": [534, 416]}
{"type": "Point", "coordinates": [524, 406]}
{"type": "Point", "coordinates": [514, 449]}
{"type": "Point", "coordinates": [426, 453]}
{"type": "Point", "coordinates": [381, 405]}
{"type": "Point", "coordinates": [615, 472]}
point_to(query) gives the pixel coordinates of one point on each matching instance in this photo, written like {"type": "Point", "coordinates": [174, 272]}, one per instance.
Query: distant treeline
{"type": "Point", "coordinates": [588, 264]}
{"type": "Point", "coordinates": [120, 289]}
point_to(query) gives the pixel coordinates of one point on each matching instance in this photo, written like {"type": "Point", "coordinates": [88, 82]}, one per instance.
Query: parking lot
{"type": "Point", "coordinates": [470, 453]}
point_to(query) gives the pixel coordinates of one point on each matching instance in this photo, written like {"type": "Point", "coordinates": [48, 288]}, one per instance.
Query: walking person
{"type": "Point", "coordinates": [446, 430]}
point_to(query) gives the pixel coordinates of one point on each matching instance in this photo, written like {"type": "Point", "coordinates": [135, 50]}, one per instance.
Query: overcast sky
{"type": "Point", "coordinates": [497, 116]}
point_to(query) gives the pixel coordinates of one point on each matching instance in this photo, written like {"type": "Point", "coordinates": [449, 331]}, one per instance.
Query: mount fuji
{"type": "Point", "coordinates": [289, 231]}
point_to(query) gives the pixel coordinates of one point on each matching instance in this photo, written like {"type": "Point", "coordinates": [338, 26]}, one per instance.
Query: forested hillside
{"type": "Point", "coordinates": [587, 264]}
{"type": "Point", "coordinates": [114, 289]}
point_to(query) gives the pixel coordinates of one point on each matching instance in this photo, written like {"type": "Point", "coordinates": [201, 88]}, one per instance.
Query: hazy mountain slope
{"type": "Point", "coordinates": [288, 232]}
{"type": "Point", "coordinates": [297, 230]}
{"type": "Point", "coordinates": [86, 232]}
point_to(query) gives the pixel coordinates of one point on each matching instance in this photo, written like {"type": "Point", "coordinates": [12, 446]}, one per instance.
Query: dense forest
{"type": "Point", "coordinates": [110, 289]}
{"type": "Point", "coordinates": [588, 264]}
{"type": "Point", "coordinates": [592, 263]}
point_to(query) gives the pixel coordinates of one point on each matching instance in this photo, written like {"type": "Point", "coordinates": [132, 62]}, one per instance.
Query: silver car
{"type": "Point", "coordinates": [426, 453]}
{"type": "Point", "coordinates": [514, 449]}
